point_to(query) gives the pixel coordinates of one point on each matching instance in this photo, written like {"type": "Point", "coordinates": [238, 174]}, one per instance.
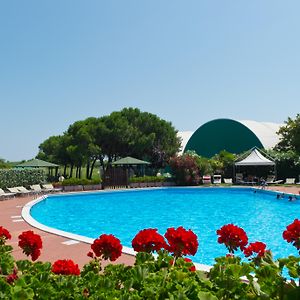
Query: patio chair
{"type": "Point", "coordinates": [36, 188]}
{"type": "Point", "coordinates": [206, 179]}
{"type": "Point", "coordinates": [48, 187]}
{"type": "Point", "coordinates": [271, 180]}
{"type": "Point", "coordinates": [228, 180]}
{"type": "Point", "coordinates": [16, 191]}
{"type": "Point", "coordinates": [23, 190]}
{"type": "Point", "coordinates": [290, 180]}
{"type": "Point", "coordinates": [239, 177]}
{"type": "Point", "coordinates": [3, 194]}
{"type": "Point", "coordinates": [217, 179]}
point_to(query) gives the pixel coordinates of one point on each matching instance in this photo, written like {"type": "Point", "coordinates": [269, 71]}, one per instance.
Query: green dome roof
{"type": "Point", "coordinates": [222, 134]}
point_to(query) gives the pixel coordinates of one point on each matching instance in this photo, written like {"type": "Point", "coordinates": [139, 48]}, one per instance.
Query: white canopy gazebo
{"type": "Point", "coordinates": [255, 158]}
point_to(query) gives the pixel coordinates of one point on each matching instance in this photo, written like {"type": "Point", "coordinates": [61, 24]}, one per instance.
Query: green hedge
{"type": "Point", "coordinates": [77, 181]}
{"type": "Point", "coordinates": [147, 179]}
{"type": "Point", "coordinates": [21, 177]}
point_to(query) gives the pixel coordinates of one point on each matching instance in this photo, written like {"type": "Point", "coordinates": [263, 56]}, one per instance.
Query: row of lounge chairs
{"type": "Point", "coordinates": [269, 181]}
{"type": "Point", "coordinates": [22, 191]}
{"type": "Point", "coordinates": [217, 179]}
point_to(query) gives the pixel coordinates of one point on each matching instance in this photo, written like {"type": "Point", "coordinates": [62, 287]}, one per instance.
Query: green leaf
{"type": "Point", "coordinates": [206, 296]}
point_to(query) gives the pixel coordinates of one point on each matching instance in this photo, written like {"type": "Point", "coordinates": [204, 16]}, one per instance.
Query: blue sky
{"type": "Point", "coordinates": [186, 61]}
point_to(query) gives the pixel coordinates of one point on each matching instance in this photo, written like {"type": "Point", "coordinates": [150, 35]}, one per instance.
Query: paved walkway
{"type": "Point", "coordinates": [57, 247]}
{"type": "Point", "coordinates": [54, 247]}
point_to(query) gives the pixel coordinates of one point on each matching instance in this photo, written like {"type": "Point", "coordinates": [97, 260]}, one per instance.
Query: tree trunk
{"type": "Point", "coordinates": [87, 169]}
{"type": "Point", "coordinates": [92, 168]}
{"type": "Point", "coordinates": [71, 171]}
{"type": "Point", "coordinates": [65, 170]}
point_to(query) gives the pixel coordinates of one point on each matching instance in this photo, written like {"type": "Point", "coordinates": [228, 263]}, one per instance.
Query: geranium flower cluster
{"type": "Point", "coordinates": [31, 244]}
{"type": "Point", "coordinates": [148, 240]}
{"type": "Point", "coordinates": [107, 246]}
{"type": "Point", "coordinates": [4, 235]}
{"type": "Point", "coordinates": [257, 247]}
{"type": "Point", "coordinates": [292, 234]}
{"type": "Point", "coordinates": [180, 241]}
{"type": "Point", "coordinates": [65, 267]}
{"type": "Point", "coordinates": [233, 237]}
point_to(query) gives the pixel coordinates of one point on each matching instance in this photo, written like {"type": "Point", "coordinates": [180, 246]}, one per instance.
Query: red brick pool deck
{"type": "Point", "coordinates": [54, 246]}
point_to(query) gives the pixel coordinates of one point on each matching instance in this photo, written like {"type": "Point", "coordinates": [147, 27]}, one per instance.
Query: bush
{"type": "Point", "coordinates": [147, 179]}
{"type": "Point", "coordinates": [78, 181]}
{"type": "Point", "coordinates": [185, 169]}
{"type": "Point", "coordinates": [21, 177]}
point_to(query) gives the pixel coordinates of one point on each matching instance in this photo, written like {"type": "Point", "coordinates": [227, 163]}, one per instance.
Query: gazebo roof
{"type": "Point", "coordinates": [255, 158]}
{"type": "Point", "coordinates": [36, 163]}
{"type": "Point", "coordinates": [130, 161]}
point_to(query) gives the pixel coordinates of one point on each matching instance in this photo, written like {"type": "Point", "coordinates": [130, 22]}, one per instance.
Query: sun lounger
{"type": "Point", "coordinates": [23, 190]}
{"type": "Point", "coordinates": [275, 181]}
{"type": "Point", "coordinates": [290, 180]}
{"type": "Point", "coordinates": [238, 177]}
{"type": "Point", "coordinates": [3, 194]}
{"type": "Point", "coordinates": [217, 179]}
{"type": "Point", "coordinates": [16, 191]}
{"type": "Point", "coordinates": [50, 188]}
{"type": "Point", "coordinates": [228, 180]}
{"type": "Point", "coordinates": [206, 179]}
{"type": "Point", "coordinates": [36, 188]}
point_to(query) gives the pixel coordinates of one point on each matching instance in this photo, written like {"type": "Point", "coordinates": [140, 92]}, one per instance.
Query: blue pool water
{"type": "Point", "coordinates": [123, 214]}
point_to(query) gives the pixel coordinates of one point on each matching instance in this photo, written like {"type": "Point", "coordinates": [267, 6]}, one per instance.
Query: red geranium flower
{"type": "Point", "coordinates": [65, 267]}
{"type": "Point", "coordinates": [4, 235]}
{"type": "Point", "coordinates": [12, 277]}
{"type": "Point", "coordinates": [107, 246]}
{"type": "Point", "coordinates": [31, 244]}
{"type": "Point", "coordinates": [257, 247]}
{"type": "Point", "coordinates": [181, 241]}
{"type": "Point", "coordinates": [292, 234]}
{"type": "Point", "coordinates": [192, 268]}
{"type": "Point", "coordinates": [148, 240]}
{"type": "Point", "coordinates": [233, 237]}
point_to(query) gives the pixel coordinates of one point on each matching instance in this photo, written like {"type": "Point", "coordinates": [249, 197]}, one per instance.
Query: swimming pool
{"type": "Point", "coordinates": [204, 210]}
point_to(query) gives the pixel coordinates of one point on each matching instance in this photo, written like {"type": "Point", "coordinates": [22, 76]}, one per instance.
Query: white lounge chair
{"type": "Point", "coordinates": [37, 188]}
{"type": "Point", "coordinates": [238, 177]}
{"type": "Point", "coordinates": [271, 180]}
{"type": "Point", "coordinates": [3, 194]}
{"type": "Point", "coordinates": [228, 180]}
{"type": "Point", "coordinates": [206, 179]}
{"type": "Point", "coordinates": [290, 180]}
{"type": "Point", "coordinates": [23, 190]}
{"type": "Point", "coordinates": [217, 179]}
{"type": "Point", "coordinates": [14, 190]}
{"type": "Point", "coordinates": [48, 187]}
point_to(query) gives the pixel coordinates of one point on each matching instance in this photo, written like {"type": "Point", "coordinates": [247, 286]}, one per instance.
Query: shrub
{"type": "Point", "coordinates": [147, 179]}
{"type": "Point", "coordinates": [21, 177]}
{"type": "Point", "coordinates": [78, 181]}
{"type": "Point", "coordinates": [185, 169]}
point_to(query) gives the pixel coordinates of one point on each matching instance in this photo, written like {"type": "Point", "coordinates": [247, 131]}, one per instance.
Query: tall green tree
{"type": "Point", "coordinates": [128, 132]}
{"type": "Point", "coordinates": [152, 138]}
{"type": "Point", "coordinates": [290, 135]}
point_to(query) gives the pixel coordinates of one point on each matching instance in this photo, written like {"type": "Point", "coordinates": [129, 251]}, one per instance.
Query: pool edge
{"type": "Point", "coordinates": [32, 222]}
